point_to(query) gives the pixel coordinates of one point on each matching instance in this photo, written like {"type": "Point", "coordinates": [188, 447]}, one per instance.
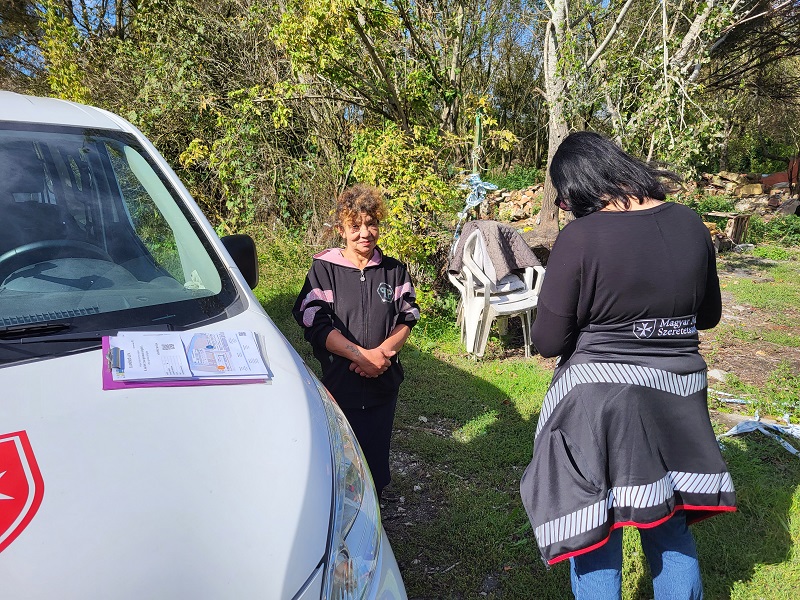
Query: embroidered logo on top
{"type": "Point", "coordinates": [21, 486]}
{"type": "Point", "coordinates": [664, 328]}
{"type": "Point", "coordinates": [385, 292]}
{"type": "Point", "coordinates": [644, 329]}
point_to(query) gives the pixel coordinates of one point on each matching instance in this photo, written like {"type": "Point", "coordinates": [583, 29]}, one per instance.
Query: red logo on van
{"type": "Point", "coordinates": [21, 486]}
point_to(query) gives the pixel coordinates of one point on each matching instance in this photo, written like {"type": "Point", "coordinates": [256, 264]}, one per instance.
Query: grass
{"type": "Point", "coordinates": [779, 338]}
{"type": "Point", "coordinates": [773, 252]}
{"type": "Point", "coordinates": [463, 436]}
{"type": "Point", "coordinates": [753, 553]}
{"type": "Point", "coordinates": [769, 297]}
{"type": "Point", "coordinates": [769, 288]}
{"type": "Point", "coordinates": [778, 396]}
{"type": "Point", "coordinates": [766, 283]}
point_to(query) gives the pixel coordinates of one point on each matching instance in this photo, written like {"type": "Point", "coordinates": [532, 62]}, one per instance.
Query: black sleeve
{"type": "Point", "coordinates": [313, 309]}
{"type": "Point", "coordinates": [555, 328]}
{"type": "Point", "coordinates": [710, 311]}
{"type": "Point", "coordinates": [406, 298]}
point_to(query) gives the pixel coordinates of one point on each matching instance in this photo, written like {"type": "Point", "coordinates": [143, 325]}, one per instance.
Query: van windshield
{"type": "Point", "coordinates": [95, 236]}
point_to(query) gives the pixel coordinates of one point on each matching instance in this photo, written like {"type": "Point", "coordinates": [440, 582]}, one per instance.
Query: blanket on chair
{"type": "Point", "coordinates": [504, 248]}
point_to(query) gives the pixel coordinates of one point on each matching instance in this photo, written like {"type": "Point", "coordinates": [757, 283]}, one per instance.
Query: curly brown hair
{"type": "Point", "coordinates": [357, 199]}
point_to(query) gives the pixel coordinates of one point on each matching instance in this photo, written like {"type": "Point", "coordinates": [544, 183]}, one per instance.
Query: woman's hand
{"type": "Point", "coordinates": [368, 363]}
{"type": "Point", "coordinates": [372, 363]}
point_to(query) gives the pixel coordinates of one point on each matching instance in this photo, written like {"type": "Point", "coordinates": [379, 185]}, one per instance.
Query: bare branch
{"type": "Point", "coordinates": [394, 100]}
{"type": "Point", "coordinates": [610, 34]}
{"type": "Point", "coordinates": [691, 37]}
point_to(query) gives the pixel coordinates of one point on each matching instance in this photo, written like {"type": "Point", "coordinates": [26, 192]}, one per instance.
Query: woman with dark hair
{"type": "Point", "coordinates": [624, 436]}
{"type": "Point", "coordinates": [591, 171]}
{"type": "Point", "coordinates": [357, 308]}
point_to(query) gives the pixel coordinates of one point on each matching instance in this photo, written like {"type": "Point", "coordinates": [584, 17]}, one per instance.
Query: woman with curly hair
{"type": "Point", "coordinates": [357, 308]}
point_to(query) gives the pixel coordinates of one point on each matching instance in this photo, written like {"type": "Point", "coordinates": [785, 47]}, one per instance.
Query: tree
{"type": "Point", "coordinates": [263, 107]}
{"type": "Point", "coordinates": [661, 90]}
{"type": "Point", "coordinates": [516, 79]}
{"type": "Point", "coordinates": [413, 75]}
{"type": "Point", "coordinates": [562, 43]}
{"type": "Point", "coordinates": [379, 56]}
{"type": "Point", "coordinates": [643, 73]}
{"type": "Point", "coordinates": [205, 82]}
{"type": "Point", "coordinates": [20, 59]}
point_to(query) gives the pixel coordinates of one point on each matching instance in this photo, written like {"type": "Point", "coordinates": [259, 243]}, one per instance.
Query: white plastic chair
{"type": "Point", "coordinates": [457, 279]}
{"type": "Point", "coordinates": [480, 305]}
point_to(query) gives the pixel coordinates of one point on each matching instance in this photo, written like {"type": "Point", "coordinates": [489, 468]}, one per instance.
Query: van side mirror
{"type": "Point", "coordinates": [242, 249]}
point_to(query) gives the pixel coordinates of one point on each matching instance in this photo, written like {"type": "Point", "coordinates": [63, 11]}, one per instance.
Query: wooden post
{"type": "Point", "coordinates": [478, 140]}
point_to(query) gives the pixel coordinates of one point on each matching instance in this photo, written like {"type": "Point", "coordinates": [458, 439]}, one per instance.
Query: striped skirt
{"type": "Point", "coordinates": [621, 442]}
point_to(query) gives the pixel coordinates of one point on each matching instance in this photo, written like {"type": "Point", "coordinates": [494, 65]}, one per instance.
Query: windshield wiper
{"type": "Point", "coordinates": [92, 336]}
{"type": "Point", "coordinates": [10, 332]}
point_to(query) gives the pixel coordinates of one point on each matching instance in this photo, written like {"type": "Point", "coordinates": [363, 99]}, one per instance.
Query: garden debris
{"type": "Point", "coordinates": [763, 195]}
{"type": "Point", "coordinates": [749, 189]}
{"type": "Point", "coordinates": [450, 567]}
{"type": "Point", "coordinates": [736, 184]}
{"type": "Point", "coordinates": [721, 241]}
{"type": "Point", "coordinates": [772, 430]}
{"type": "Point", "coordinates": [725, 397]}
{"type": "Point", "coordinates": [749, 184]}
{"type": "Point", "coordinates": [790, 207]}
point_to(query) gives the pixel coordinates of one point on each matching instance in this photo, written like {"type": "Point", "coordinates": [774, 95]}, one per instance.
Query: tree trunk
{"type": "Point", "coordinates": [449, 117]}
{"type": "Point", "coordinates": [724, 147]}
{"type": "Point", "coordinates": [555, 87]}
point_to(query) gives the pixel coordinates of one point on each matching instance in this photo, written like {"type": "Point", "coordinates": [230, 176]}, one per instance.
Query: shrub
{"type": "Point", "coordinates": [777, 396]}
{"type": "Point", "coordinates": [772, 253]}
{"type": "Point", "coordinates": [704, 203]}
{"type": "Point", "coordinates": [783, 230]}
{"type": "Point", "coordinates": [418, 197]}
{"type": "Point", "coordinates": [519, 177]}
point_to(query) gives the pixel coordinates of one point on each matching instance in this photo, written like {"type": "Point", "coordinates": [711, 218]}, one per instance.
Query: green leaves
{"type": "Point", "coordinates": [417, 196]}
{"type": "Point", "coordinates": [61, 44]}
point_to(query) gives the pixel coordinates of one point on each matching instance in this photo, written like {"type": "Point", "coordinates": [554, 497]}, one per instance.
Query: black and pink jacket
{"type": "Point", "coordinates": [364, 305]}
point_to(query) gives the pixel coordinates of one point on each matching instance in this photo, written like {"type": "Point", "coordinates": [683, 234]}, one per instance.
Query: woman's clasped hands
{"type": "Point", "coordinates": [372, 363]}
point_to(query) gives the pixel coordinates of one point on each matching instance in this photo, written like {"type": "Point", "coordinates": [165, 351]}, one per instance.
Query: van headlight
{"type": "Point", "coordinates": [354, 543]}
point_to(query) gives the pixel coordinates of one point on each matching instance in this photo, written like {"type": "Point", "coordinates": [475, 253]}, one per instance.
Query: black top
{"type": "Point", "coordinates": [364, 305]}
{"type": "Point", "coordinates": [618, 267]}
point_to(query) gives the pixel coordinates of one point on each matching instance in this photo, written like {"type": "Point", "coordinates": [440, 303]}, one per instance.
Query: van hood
{"type": "Point", "coordinates": [165, 492]}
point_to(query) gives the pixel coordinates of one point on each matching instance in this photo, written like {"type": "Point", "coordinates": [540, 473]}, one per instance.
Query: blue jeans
{"type": "Point", "coordinates": [670, 552]}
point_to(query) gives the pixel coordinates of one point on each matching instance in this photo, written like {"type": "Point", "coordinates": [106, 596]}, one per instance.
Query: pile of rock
{"type": "Point", "coordinates": [733, 184]}
{"type": "Point", "coordinates": [749, 191]}
{"type": "Point", "coordinates": [765, 195]}
{"type": "Point", "coordinates": [769, 199]}
{"type": "Point", "coordinates": [514, 205]}
{"type": "Point", "coordinates": [769, 205]}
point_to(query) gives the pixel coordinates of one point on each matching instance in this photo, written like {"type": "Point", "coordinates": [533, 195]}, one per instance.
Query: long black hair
{"type": "Point", "coordinates": [589, 171]}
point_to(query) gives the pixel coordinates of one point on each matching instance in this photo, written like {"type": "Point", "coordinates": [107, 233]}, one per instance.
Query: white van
{"type": "Point", "coordinates": [251, 490]}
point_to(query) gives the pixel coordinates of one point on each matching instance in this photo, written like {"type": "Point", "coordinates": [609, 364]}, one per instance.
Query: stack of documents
{"type": "Point", "coordinates": [205, 357]}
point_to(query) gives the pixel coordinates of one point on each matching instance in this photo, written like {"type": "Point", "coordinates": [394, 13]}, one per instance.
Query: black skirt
{"type": "Point", "coordinates": [624, 438]}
